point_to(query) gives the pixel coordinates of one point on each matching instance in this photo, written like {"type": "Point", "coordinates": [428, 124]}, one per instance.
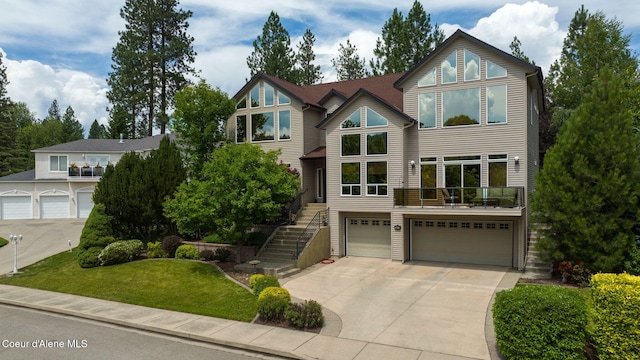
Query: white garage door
{"type": "Point", "coordinates": [470, 242]}
{"type": "Point", "coordinates": [369, 237]}
{"type": "Point", "coordinates": [15, 207]}
{"type": "Point", "coordinates": [85, 204]}
{"type": "Point", "coordinates": [54, 207]}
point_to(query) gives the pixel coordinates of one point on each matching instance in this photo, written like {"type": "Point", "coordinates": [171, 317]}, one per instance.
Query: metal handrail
{"type": "Point", "coordinates": [492, 196]}
{"type": "Point", "coordinates": [310, 230]}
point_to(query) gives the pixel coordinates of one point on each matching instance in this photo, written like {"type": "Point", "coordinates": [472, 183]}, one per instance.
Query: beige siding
{"type": "Point", "coordinates": [313, 137]}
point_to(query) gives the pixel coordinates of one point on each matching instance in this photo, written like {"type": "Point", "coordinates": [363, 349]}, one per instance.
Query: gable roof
{"type": "Point", "coordinates": [107, 145]}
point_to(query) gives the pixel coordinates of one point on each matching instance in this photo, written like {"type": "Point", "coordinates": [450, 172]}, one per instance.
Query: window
{"type": "Point", "coordinates": [428, 178]}
{"type": "Point", "coordinates": [449, 72]}
{"type": "Point", "coordinates": [353, 222]}
{"type": "Point", "coordinates": [495, 71]}
{"type": "Point", "coordinates": [269, 95]}
{"type": "Point", "coordinates": [377, 143]}
{"type": "Point", "coordinates": [377, 178]}
{"type": "Point", "coordinates": [350, 144]}
{"type": "Point", "coordinates": [471, 66]}
{"type": "Point", "coordinates": [375, 119]}
{"type": "Point", "coordinates": [375, 222]}
{"type": "Point", "coordinates": [95, 160]}
{"type": "Point", "coordinates": [284, 125]}
{"type": "Point", "coordinates": [353, 121]}
{"type": "Point", "coordinates": [497, 104]}
{"type": "Point", "coordinates": [417, 223]}
{"type": "Point", "coordinates": [283, 99]}
{"type": "Point", "coordinates": [386, 222]}
{"type": "Point", "coordinates": [58, 163]}
{"type": "Point", "coordinates": [350, 178]}
{"type": "Point", "coordinates": [241, 128]}
{"type": "Point", "coordinates": [427, 110]}
{"type": "Point", "coordinates": [364, 222]}
{"type": "Point", "coordinates": [255, 96]}
{"type": "Point", "coordinates": [498, 170]}
{"type": "Point", "coordinates": [462, 177]}
{"type": "Point", "coordinates": [461, 107]}
{"type": "Point", "coordinates": [242, 104]}
{"type": "Point", "coordinates": [429, 79]}
{"type": "Point", "coordinates": [262, 127]}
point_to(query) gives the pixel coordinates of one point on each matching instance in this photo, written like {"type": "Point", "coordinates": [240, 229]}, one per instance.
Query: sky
{"type": "Point", "coordinates": [61, 49]}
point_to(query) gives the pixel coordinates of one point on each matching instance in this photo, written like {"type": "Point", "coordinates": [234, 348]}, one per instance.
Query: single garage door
{"type": "Point", "coordinates": [470, 242]}
{"type": "Point", "coordinates": [15, 207]}
{"type": "Point", "coordinates": [54, 207]}
{"type": "Point", "coordinates": [85, 204]}
{"type": "Point", "coordinates": [369, 237]}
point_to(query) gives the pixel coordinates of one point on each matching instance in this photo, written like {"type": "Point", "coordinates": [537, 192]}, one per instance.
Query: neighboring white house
{"type": "Point", "coordinates": [65, 175]}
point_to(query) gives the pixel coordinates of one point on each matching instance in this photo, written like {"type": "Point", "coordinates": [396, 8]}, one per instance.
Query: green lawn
{"type": "Point", "coordinates": [3, 242]}
{"type": "Point", "coordinates": [180, 285]}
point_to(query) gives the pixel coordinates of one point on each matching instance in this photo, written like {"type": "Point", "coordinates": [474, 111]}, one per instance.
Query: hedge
{"type": "Point", "coordinates": [615, 316]}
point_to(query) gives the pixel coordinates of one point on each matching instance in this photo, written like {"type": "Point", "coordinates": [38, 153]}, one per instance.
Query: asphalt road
{"type": "Point", "coordinates": [30, 334]}
{"type": "Point", "coordinates": [40, 239]}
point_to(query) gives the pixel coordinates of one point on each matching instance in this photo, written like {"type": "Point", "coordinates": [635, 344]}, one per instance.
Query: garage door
{"type": "Point", "coordinates": [85, 204]}
{"type": "Point", "coordinates": [15, 207]}
{"type": "Point", "coordinates": [369, 237]}
{"type": "Point", "coordinates": [471, 242]}
{"type": "Point", "coordinates": [54, 207]}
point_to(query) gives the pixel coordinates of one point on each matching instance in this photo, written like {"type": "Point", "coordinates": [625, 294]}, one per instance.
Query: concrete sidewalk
{"type": "Point", "coordinates": [412, 334]}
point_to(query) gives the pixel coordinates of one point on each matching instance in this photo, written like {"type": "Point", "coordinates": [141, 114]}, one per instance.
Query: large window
{"type": "Point", "coordinates": [429, 79]}
{"type": "Point", "coordinates": [284, 125]}
{"type": "Point", "coordinates": [350, 179]}
{"type": "Point", "coordinates": [377, 178]}
{"type": "Point", "coordinates": [374, 119]}
{"type": "Point", "coordinates": [495, 71]}
{"type": "Point", "coordinates": [269, 95]}
{"type": "Point", "coordinates": [377, 143]}
{"type": "Point", "coordinates": [254, 94]}
{"type": "Point", "coordinates": [471, 66]}
{"type": "Point", "coordinates": [461, 107]}
{"type": "Point", "coordinates": [428, 178]}
{"type": "Point", "coordinates": [95, 160]}
{"type": "Point", "coordinates": [449, 70]}
{"type": "Point", "coordinates": [262, 127]}
{"type": "Point", "coordinates": [353, 121]}
{"type": "Point", "coordinates": [58, 163]}
{"type": "Point", "coordinates": [427, 110]}
{"type": "Point", "coordinates": [462, 172]}
{"type": "Point", "coordinates": [498, 170]}
{"type": "Point", "coordinates": [241, 128]}
{"type": "Point", "coordinates": [283, 99]}
{"type": "Point", "coordinates": [350, 144]}
{"type": "Point", "coordinates": [497, 104]}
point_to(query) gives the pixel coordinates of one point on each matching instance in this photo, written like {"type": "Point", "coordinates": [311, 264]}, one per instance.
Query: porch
{"type": "Point", "coordinates": [486, 197]}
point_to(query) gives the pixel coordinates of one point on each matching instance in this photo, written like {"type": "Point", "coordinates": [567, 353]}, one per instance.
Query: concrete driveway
{"type": "Point", "coordinates": [40, 239]}
{"type": "Point", "coordinates": [425, 310]}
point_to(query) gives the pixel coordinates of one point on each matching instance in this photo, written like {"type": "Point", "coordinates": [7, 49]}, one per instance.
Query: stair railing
{"type": "Point", "coordinates": [318, 220]}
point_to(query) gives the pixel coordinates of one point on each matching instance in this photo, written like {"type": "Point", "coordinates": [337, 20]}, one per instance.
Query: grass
{"type": "Point", "coordinates": [3, 242]}
{"type": "Point", "coordinates": [179, 285]}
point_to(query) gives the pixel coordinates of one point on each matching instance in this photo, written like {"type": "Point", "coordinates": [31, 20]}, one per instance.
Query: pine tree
{"type": "Point", "coordinates": [309, 73]}
{"type": "Point", "coordinates": [97, 131]}
{"type": "Point", "coordinates": [516, 50]}
{"type": "Point", "coordinates": [272, 53]}
{"type": "Point", "coordinates": [348, 64]}
{"type": "Point", "coordinates": [71, 127]}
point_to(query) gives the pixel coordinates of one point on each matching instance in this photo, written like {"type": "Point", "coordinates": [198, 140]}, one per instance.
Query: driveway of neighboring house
{"type": "Point", "coordinates": [438, 309]}
{"type": "Point", "coordinates": [40, 239]}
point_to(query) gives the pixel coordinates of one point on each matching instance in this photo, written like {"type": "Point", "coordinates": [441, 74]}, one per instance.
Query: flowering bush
{"type": "Point", "coordinates": [121, 252]}
{"type": "Point", "coordinates": [573, 272]}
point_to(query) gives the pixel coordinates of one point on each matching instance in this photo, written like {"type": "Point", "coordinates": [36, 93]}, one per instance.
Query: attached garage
{"type": "Point", "coordinates": [15, 207]}
{"type": "Point", "coordinates": [368, 237]}
{"type": "Point", "coordinates": [463, 241]}
{"type": "Point", "coordinates": [54, 206]}
{"type": "Point", "coordinates": [85, 204]}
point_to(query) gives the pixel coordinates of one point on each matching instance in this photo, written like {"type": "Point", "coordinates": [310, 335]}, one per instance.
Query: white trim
{"type": "Point", "coordinates": [506, 104]}
{"type": "Point", "coordinates": [359, 152]}
{"type": "Point", "coordinates": [464, 68]}
{"type": "Point", "coordinates": [435, 95]}
{"type": "Point", "coordinates": [366, 119]}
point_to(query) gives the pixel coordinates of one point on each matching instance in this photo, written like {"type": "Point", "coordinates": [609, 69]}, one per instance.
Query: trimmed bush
{"type": "Point", "coordinates": [264, 282]}
{"type": "Point", "coordinates": [89, 258]}
{"type": "Point", "coordinates": [253, 279]}
{"type": "Point", "coordinates": [121, 252]}
{"type": "Point", "coordinates": [187, 251]}
{"type": "Point", "coordinates": [307, 315]}
{"type": "Point", "coordinates": [207, 255]}
{"type": "Point", "coordinates": [97, 230]}
{"type": "Point", "coordinates": [3, 242]}
{"type": "Point", "coordinates": [154, 250]}
{"type": "Point", "coordinates": [273, 302]}
{"type": "Point", "coordinates": [541, 322]}
{"type": "Point", "coordinates": [170, 244]}
{"type": "Point", "coordinates": [222, 254]}
{"type": "Point", "coordinates": [614, 326]}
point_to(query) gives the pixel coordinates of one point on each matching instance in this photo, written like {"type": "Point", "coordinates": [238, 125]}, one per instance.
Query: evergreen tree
{"type": "Point", "coordinates": [587, 192]}
{"type": "Point", "coordinates": [53, 113]}
{"type": "Point", "coordinates": [97, 131]}
{"type": "Point", "coordinates": [309, 73]}
{"type": "Point", "coordinates": [272, 53]}
{"type": "Point", "coordinates": [71, 127]}
{"type": "Point", "coordinates": [150, 63]}
{"type": "Point", "coordinates": [348, 64]}
{"type": "Point", "coordinates": [4, 99]}
{"type": "Point", "coordinates": [516, 50]}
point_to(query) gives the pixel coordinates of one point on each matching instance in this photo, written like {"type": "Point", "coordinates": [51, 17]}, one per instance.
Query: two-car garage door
{"type": "Point", "coordinates": [463, 241]}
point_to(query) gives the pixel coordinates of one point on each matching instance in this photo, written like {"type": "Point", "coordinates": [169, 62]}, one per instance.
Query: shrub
{"type": "Point", "coordinates": [154, 250]}
{"type": "Point", "coordinates": [89, 258]}
{"type": "Point", "coordinates": [573, 272]}
{"type": "Point", "coordinates": [207, 255]}
{"type": "Point", "coordinates": [253, 279]}
{"type": "Point", "coordinates": [187, 251]}
{"type": "Point", "coordinates": [222, 254]}
{"type": "Point", "coordinates": [307, 315]}
{"type": "Point", "coordinates": [256, 238]}
{"type": "Point", "coordinates": [273, 302]}
{"type": "Point", "coordinates": [97, 231]}
{"type": "Point", "coordinates": [540, 322]}
{"type": "Point", "coordinates": [215, 239]}
{"type": "Point", "coordinates": [170, 244]}
{"type": "Point", "coordinates": [614, 317]}
{"type": "Point", "coordinates": [264, 282]}
{"type": "Point", "coordinates": [121, 252]}
{"type": "Point", "coordinates": [3, 241]}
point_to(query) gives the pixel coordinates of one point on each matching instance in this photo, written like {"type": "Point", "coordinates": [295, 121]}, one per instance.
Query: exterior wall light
{"type": "Point", "coordinates": [397, 227]}
{"type": "Point", "coordinates": [517, 160]}
{"type": "Point", "coordinates": [413, 164]}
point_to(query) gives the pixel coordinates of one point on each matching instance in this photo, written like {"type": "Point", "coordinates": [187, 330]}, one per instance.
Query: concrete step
{"type": "Point", "coordinates": [287, 273]}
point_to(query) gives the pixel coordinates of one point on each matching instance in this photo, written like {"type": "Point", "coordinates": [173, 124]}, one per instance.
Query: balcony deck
{"type": "Point", "coordinates": [85, 173]}
{"type": "Point", "coordinates": [460, 197]}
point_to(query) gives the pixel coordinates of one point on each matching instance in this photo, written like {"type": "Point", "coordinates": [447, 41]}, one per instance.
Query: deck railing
{"type": "Point", "coordinates": [493, 196]}
{"type": "Point", "coordinates": [86, 171]}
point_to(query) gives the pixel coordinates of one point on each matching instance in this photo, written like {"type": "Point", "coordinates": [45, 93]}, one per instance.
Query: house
{"type": "Point", "coordinates": [65, 175]}
{"type": "Point", "coordinates": [433, 164]}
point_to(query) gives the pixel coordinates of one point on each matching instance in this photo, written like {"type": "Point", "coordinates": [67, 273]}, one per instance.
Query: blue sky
{"type": "Point", "coordinates": [61, 49]}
